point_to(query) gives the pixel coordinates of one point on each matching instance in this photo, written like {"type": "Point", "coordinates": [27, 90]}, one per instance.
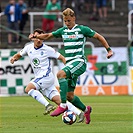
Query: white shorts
{"type": "Point", "coordinates": [50, 92]}
{"type": "Point", "coordinates": [46, 85]}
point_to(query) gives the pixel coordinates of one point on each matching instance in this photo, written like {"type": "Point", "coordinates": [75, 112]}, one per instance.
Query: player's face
{"type": "Point", "coordinates": [37, 42]}
{"type": "Point", "coordinates": [69, 21]}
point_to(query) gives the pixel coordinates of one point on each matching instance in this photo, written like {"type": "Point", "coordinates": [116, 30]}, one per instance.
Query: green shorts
{"type": "Point", "coordinates": [73, 70]}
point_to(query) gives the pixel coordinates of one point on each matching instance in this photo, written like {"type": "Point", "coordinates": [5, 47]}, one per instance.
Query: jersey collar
{"type": "Point", "coordinates": [38, 47]}
{"type": "Point", "coordinates": [74, 26]}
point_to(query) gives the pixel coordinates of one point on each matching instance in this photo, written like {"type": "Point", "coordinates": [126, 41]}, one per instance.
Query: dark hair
{"type": "Point", "coordinates": [40, 31]}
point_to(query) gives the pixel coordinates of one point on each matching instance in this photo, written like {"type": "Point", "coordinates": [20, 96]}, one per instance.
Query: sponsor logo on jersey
{"type": "Point", "coordinates": [36, 61]}
{"type": "Point", "coordinates": [72, 36]}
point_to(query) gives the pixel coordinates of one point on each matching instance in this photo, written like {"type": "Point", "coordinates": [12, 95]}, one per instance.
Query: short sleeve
{"type": "Point", "coordinates": [23, 52]}
{"type": "Point", "coordinates": [58, 33]}
{"type": "Point", "coordinates": [88, 32]}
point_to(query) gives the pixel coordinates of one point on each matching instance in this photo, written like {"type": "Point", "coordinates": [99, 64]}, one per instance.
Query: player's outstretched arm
{"type": "Point", "coordinates": [62, 58]}
{"type": "Point", "coordinates": [15, 58]}
{"type": "Point", "coordinates": [45, 36]}
{"type": "Point", "coordinates": [104, 43]}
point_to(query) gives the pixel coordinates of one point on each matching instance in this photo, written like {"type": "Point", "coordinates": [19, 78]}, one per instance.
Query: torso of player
{"type": "Point", "coordinates": [74, 43]}
{"type": "Point", "coordinates": [39, 61]}
{"type": "Point", "coordinates": [40, 58]}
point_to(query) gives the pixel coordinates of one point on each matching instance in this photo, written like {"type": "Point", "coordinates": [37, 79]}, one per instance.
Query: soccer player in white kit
{"type": "Point", "coordinates": [40, 55]}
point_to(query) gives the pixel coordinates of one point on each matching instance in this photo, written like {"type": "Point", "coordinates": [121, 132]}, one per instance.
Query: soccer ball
{"type": "Point", "coordinates": [69, 117]}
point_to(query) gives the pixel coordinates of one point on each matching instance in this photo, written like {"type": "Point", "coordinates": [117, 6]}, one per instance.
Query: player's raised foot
{"type": "Point", "coordinates": [48, 109]}
{"type": "Point", "coordinates": [87, 114]}
{"type": "Point", "coordinates": [81, 117]}
{"type": "Point", "coordinates": [58, 111]}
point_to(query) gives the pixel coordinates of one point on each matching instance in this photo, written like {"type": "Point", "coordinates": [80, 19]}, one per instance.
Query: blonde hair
{"type": "Point", "coordinates": [68, 12]}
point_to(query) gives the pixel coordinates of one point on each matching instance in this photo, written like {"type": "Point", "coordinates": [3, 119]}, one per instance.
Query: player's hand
{"type": "Point", "coordinates": [110, 54]}
{"type": "Point", "coordinates": [12, 60]}
{"type": "Point", "coordinates": [32, 36]}
{"type": "Point", "coordinates": [11, 12]}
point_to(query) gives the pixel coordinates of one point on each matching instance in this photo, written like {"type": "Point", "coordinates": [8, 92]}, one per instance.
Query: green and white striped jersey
{"type": "Point", "coordinates": [74, 40]}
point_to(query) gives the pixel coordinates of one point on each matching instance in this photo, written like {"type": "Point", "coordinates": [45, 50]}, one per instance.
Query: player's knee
{"type": "Point", "coordinates": [26, 90]}
{"type": "Point", "coordinates": [61, 74]}
{"type": "Point", "coordinates": [29, 87]}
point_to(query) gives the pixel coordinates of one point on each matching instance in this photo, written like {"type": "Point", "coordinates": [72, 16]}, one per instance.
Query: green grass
{"type": "Point", "coordinates": [111, 114]}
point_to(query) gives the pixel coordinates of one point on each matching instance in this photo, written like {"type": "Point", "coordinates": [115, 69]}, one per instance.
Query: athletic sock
{"type": "Point", "coordinates": [85, 110]}
{"type": "Point", "coordinates": [63, 105]}
{"type": "Point", "coordinates": [63, 89]}
{"type": "Point", "coordinates": [38, 96]}
{"type": "Point", "coordinates": [76, 102]}
{"type": "Point", "coordinates": [73, 108]}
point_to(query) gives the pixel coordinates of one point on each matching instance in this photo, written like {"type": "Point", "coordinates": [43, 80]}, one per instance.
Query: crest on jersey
{"type": "Point", "coordinates": [41, 52]}
{"type": "Point", "coordinates": [76, 33]}
{"type": "Point", "coordinates": [36, 61]}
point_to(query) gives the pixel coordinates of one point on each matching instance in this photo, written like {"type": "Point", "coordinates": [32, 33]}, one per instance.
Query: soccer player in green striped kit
{"type": "Point", "coordinates": [74, 38]}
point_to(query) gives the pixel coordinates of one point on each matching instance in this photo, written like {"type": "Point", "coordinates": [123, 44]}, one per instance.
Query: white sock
{"type": "Point", "coordinates": [86, 110]}
{"type": "Point", "coordinates": [38, 96]}
{"type": "Point", "coordinates": [63, 105]}
{"type": "Point", "coordinates": [73, 108]}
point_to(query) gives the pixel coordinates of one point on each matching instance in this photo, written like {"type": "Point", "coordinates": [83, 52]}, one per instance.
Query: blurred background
{"type": "Point", "coordinates": [113, 26]}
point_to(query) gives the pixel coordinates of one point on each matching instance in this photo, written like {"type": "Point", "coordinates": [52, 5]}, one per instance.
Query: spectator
{"type": "Point", "coordinates": [48, 20]}
{"type": "Point", "coordinates": [24, 17]}
{"type": "Point", "coordinates": [102, 9]}
{"type": "Point", "coordinates": [70, 4]}
{"type": "Point", "coordinates": [32, 3]}
{"type": "Point", "coordinates": [1, 13]}
{"type": "Point", "coordinates": [80, 7]}
{"type": "Point", "coordinates": [12, 11]}
{"type": "Point", "coordinates": [45, 2]}
{"type": "Point", "coordinates": [0, 9]}
{"type": "Point", "coordinates": [130, 5]}
{"type": "Point", "coordinates": [93, 10]}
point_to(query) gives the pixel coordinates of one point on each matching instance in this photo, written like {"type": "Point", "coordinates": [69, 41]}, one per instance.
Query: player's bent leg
{"type": "Point", "coordinates": [39, 97]}
{"type": "Point", "coordinates": [60, 109]}
{"type": "Point", "coordinates": [61, 75]}
{"type": "Point", "coordinates": [49, 108]}
{"type": "Point", "coordinates": [29, 87]}
{"type": "Point", "coordinates": [76, 101]}
{"type": "Point", "coordinates": [52, 94]}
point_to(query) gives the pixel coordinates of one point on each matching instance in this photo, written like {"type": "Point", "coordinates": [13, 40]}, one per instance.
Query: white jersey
{"type": "Point", "coordinates": [40, 58]}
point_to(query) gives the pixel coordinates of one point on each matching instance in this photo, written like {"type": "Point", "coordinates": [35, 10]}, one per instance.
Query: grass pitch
{"type": "Point", "coordinates": [110, 114]}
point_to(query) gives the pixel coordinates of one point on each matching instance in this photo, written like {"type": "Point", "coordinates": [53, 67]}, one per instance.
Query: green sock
{"type": "Point", "coordinates": [63, 89]}
{"type": "Point", "coordinates": [76, 102]}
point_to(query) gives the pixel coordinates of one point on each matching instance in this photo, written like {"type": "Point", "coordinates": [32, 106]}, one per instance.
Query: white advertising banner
{"type": "Point", "coordinates": [102, 77]}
